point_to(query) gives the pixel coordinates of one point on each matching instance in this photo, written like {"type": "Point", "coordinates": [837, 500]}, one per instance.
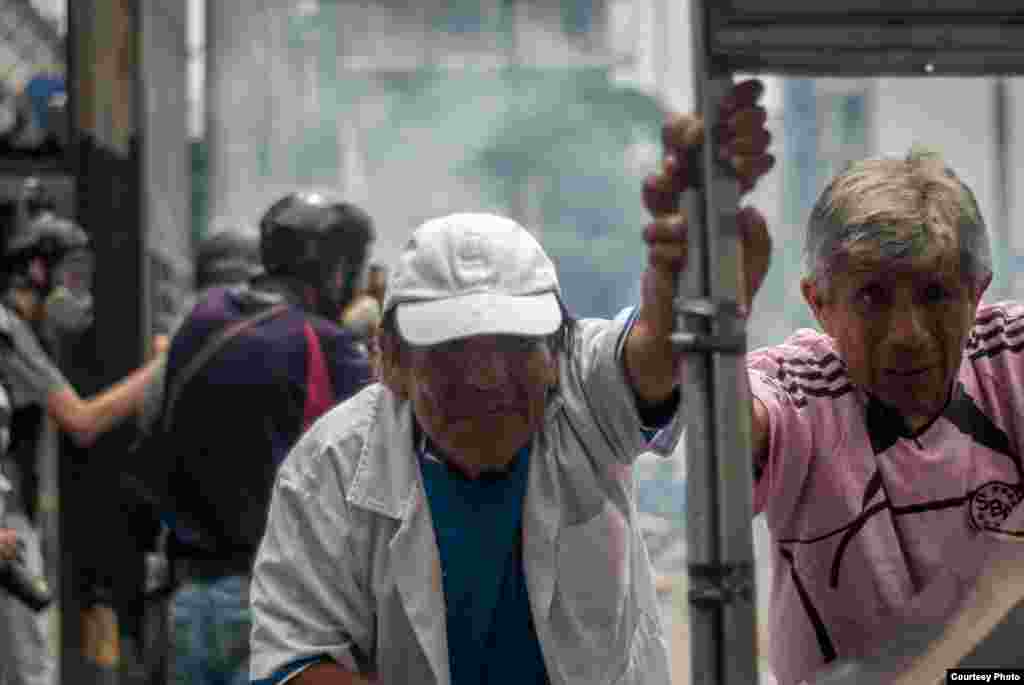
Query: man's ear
{"type": "Point", "coordinates": [814, 296]}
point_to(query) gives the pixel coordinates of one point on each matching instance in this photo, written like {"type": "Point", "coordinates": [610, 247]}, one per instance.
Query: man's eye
{"type": "Point", "coordinates": [871, 295]}
{"type": "Point", "coordinates": [936, 292]}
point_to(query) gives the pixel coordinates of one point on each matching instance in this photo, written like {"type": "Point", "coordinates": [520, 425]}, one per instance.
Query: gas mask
{"type": "Point", "coordinates": [69, 305]}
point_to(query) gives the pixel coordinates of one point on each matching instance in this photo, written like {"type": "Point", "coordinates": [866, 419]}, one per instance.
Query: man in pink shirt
{"type": "Point", "coordinates": [888, 446]}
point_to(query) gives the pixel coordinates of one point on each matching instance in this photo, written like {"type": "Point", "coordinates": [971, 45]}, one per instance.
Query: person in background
{"type": "Point", "coordinates": [227, 257]}
{"type": "Point", "coordinates": [227, 422]}
{"type": "Point", "coordinates": [46, 275]}
{"type": "Point", "coordinates": [363, 315]}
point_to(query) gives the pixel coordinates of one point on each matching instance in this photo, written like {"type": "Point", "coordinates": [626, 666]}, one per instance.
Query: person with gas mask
{"type": "Point", "coordinates": [46, 275]}
{"type": "Point", "coordinates": [247, 371]}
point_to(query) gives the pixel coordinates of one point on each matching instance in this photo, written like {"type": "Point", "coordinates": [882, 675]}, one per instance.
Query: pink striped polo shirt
{"type": "Point", "coordinates": [873, 527]}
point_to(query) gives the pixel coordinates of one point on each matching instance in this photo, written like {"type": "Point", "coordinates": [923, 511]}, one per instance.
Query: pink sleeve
{"type": "Point", "coordinates": [783, 378]}
{"type": "Point", "coordinates": [789, 444]}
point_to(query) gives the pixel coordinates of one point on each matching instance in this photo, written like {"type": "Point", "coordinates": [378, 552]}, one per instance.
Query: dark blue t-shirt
{"type": "Point", "coordinates": [478, 525]}
{"type": "Point", "coordinates": [239, 416]}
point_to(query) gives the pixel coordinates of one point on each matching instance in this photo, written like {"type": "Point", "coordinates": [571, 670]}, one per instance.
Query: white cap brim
{"type": "Point", "coordinates": [432, 322]}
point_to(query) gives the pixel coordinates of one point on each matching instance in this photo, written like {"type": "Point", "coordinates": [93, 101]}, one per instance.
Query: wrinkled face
{"type": "Point", "coordinates": [482, 398]}
{"type": "Point", "coordinates": [901, 326]}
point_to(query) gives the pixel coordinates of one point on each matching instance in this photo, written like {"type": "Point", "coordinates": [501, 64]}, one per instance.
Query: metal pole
{"type": "Point", "coordinates": [723, 622]}
{"type": "Point", "coordinates": [1004, 189]}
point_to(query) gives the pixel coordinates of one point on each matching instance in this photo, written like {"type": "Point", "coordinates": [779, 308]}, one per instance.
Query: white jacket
{"type": "Point", "coordinates": [349, 567]}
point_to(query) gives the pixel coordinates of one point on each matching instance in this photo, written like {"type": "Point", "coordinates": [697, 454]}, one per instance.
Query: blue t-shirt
{"type": "Point", "coordinates": [478, 525]}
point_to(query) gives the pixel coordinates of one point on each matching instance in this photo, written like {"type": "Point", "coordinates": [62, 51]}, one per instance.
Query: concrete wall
{"type": "Point", "coordinates": [165, 160]}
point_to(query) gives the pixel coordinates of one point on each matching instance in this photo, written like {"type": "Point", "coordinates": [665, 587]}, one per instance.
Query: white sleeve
{"type": "Point", "coordinates": [308, 597]}
{"type": "Point", "coordinates": [598, 393]}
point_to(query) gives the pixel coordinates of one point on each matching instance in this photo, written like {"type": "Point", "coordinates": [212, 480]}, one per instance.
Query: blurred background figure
{"type": "Point", "coordinates": [253, 365]}
{"type": "Point", "coordinates": [227, 257]}
{"type": "Point", "coordinates": [363, 317]}
{"type": "Point", "coordinates": [46, 274]}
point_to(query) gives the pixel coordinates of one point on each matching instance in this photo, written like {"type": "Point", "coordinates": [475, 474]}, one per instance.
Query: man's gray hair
{"type": "Point", "coordinates": [895, 205]}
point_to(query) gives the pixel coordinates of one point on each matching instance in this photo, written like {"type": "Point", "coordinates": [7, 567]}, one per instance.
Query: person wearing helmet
{"type": "Point", "coordinates": [229, 256]}
{"type": "Point", "coordinates": [46, 267]}
{"type": "Point", "coordinates": [316, 249]}
{"type": "Point", "coordinates": [249, 369]}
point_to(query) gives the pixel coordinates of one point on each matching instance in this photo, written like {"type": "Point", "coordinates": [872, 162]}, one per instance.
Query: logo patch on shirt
{"type": "Point", "coordinates": [990, 507]}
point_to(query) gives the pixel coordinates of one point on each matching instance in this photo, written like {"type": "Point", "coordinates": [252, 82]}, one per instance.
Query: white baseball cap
{"type": "Point", "coordinates": [472, 274]}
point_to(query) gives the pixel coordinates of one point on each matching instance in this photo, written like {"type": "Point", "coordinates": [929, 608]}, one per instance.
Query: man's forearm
{"type": "Point", "coordinates": [330, 673]}
{"type": "Point", "coordinates": [652, 365]}
{"type": "Point", "coordinates": [86, 420]}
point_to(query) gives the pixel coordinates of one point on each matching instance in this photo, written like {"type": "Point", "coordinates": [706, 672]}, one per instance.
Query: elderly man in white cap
{"type": "Point", "coordinates": [469, 519]}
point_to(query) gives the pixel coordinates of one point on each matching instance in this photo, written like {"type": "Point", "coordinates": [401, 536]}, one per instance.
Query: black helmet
{"type": "Point", "coordinates": [320, 240]}
{"type": "Point", "coordinates": [46, 235]}
{"type": "Point", "coordinates": [227, 256]}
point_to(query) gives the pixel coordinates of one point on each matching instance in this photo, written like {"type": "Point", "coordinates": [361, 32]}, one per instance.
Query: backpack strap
{"type": "Point", "coordinates": [206, 352]}
{"type": "Point", "coordinates": [319, 389]}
